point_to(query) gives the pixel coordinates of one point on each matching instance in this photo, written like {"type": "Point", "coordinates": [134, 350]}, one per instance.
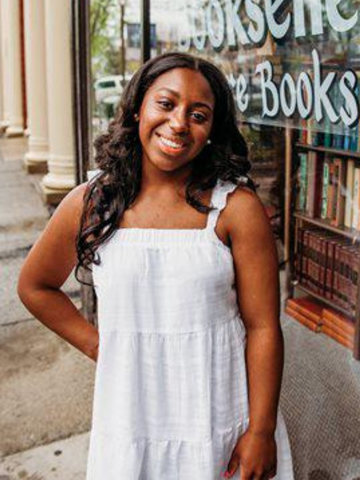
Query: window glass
{"type": "Point", "coordinates": [115, 55]}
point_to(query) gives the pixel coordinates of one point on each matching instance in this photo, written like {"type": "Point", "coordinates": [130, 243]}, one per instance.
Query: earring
{"type": "Point", "coordinates": [136, 117]}
{"type": "Point", "coordinates": [208, 141]}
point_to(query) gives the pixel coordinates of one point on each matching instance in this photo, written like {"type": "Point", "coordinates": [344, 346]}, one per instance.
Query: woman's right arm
{"type": "Point", "coordinates": [46, 268]}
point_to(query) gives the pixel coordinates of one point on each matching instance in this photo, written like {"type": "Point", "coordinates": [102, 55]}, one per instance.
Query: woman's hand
{"type": "Point", "coordinates": [256, 453]}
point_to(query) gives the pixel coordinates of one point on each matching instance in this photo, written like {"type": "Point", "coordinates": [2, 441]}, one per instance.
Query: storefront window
{"type": "Point", "coordinates": [294, 69]}
{"type": "Point", "coordinates": [115, 55]}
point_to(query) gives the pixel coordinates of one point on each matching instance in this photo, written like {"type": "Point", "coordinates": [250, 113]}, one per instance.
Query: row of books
{"type": "Point", "coordinates": [348, 140]}
{"type": "Point", "coordinates": [328, 265]}
{"type": "Point", "coordinates": [329, 188]}
{"type": "Point", "coordinates": [322, 320]}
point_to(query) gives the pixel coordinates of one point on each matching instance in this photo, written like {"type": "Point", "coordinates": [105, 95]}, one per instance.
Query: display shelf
{"type": "Point", "coordinates": [351, 233]}
{"type": "Point", "coordinates": [332, 151]}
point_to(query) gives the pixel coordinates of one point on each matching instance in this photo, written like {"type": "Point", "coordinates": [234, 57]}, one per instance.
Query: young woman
{"type": "Point", "coordinates": [185, 270]}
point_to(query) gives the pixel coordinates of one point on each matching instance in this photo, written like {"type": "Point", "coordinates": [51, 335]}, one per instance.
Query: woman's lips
{"type": "Point", "coordinates": [168, 145]}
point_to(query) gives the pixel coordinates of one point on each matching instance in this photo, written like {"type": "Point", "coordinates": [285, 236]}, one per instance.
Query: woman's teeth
{"type": "Point", "coordinates": [170, 143]}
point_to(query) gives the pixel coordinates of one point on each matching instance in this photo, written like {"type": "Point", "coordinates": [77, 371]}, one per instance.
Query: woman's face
{"type": "Point", "coordinates": [175, 118]}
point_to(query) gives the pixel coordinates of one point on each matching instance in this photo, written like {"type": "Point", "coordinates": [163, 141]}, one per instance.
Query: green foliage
{"type": "Point", "coordinates": [104, 37]}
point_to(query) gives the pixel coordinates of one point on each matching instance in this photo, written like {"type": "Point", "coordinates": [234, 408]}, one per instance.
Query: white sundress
{"type": "Point", "coordinates": [171, 395]}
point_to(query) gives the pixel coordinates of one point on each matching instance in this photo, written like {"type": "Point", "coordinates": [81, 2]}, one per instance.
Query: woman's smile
{"type": "Point", "coordinates": [170, 145]}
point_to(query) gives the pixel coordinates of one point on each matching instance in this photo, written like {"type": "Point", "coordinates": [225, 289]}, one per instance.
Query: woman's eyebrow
{"type": "Point", "coordinates": [176, 94]}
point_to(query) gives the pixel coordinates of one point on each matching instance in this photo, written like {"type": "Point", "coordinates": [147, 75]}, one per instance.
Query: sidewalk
{"type": "Point", "coordinates": [46, 386]}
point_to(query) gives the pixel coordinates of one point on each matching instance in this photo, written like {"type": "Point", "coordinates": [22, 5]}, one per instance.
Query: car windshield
{"type": "Point", "coordinates": [107, 84]}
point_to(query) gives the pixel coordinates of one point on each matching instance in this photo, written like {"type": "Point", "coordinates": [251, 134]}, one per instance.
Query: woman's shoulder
{"type": "Point", "coordinates": [245, 212]}
{"type": "Point", "coordinates": [74, 199]}
{"type": "Point", "coordinates": [69, 211]}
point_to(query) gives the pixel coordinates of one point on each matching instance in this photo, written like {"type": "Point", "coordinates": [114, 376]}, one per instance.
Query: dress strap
{"type": "Point", "coordinates": [218, 200]}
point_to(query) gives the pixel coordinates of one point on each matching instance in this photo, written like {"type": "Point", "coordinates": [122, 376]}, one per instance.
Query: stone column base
{"type": "Point", "coordinates": [52, 196]}
{"type": "Point", "coordinates": [3, 126]}
{"type": "Point", "coordinates": [38, 166]}
{"type": "Point", "coordinates": [14, 132]}
{"type": "Point", "coordinates": [36, 159]}
{"type": "Point", "coordinates": [61, 179]}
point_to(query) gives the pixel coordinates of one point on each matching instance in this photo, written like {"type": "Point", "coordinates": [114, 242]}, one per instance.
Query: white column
{"type": "Point", "coordinates": [1, 77]}
{"type": "Point", "coordinates": [37, 155]}
{"type": "Point", "coordinates": [13, 66]}
{"type": "Point", "coordinates": [4, 53]}
{"type": "Point", "coordinates": [61, 164]}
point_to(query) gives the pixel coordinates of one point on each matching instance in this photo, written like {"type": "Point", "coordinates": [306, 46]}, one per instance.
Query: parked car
{"type": "Point", "coordinates": [109, 86]}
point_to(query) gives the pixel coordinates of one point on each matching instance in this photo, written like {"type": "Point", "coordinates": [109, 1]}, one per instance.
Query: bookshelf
{"type": "Point", "coordinates": [323, 229]}
{"type": "Point", "coordinates": [329, 150]}
{"type": "Point", "coordinates": [351, 233]}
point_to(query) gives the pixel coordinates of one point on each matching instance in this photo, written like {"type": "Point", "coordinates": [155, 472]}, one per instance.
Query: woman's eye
{"type": "Point", "coordinates": [165, 103]}
{"type": "Point", "coordinates": [199, 117]}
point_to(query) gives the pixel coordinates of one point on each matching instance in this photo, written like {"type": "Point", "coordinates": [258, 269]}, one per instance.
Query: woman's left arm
{"type": "Point", "coordinates": [257, 282]}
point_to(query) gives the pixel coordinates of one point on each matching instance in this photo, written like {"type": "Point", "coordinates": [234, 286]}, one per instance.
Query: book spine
{"type": "Point", "coordinates": [349, 193]}
{"type": "Point", "coordinates": [318, 185]}
{"type": "Point", "coordinates": [341, 291]}
{"type": "Point", "coordinates": [325, 186]}
{"type": "Point", "coordinates": [299, 254]}
{"type": "Point", "coordinates": [302, 319]}
{"type": "Point", "coordinates": [310, 280]}
{"type": "Point", "coordinates": [346, 343]}
{"type": "Point", "coordinates": [303, 182]}
{"type": "Point", "coordinates": [344, 324]}
{"type": "Point", "coordinates": [330, 264]}
{"type": "Point", "coordinates": [354, 274]}
{"type": "Point", "coordinates": [304, 311]}
{"type": "Point", "coordinates": [339, 193]}
{"type": "Point", "coordinates": [355, 198]}
{"type": "Point", "coordinates": [317, 261]}
{"type": "Point", "coordinates": [347, 138]}
{"type": "Point", "coordinates": [322, 264]}
{"type": "Point", "coordinates": [311, 184]}
{"type": "Point", "coordinates": [330, 192]}
{"type": "Point", "coordinates": [347, 251]}
{"type": "Point", "coordinates": [336, 329]}
{"type": "Point", "coordinates": [305, 259]}
{"type": "Point", "coordinates": [336, 272]}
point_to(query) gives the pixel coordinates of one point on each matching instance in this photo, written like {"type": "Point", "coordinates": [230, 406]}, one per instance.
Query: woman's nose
{"type": "Point", "coordinates": [178, 122]}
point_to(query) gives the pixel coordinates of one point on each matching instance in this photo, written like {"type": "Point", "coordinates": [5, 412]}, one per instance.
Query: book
{"type": "Point", "coordinates": [338, 213]}
{"type": "Point", "coordinates": [330, 266]}
{"type": "Point", "coordinates": [302, 182]}
{"type": "Point", "coordinates": [311, 184]}
{"type": "Point", "coordinates": [299, 254]}
{"type": "Point", "coordinates": [336, 329]}
{"type": "Point", "coordinates": [355, 198]}
{"type": "Point", "coordinates": [331, 193]}
{"type": "Point", "coordinates": [350, 166]}
{"type": "Point", "coordinates": [344, 323]}
{"type": "Point", "coordinates": [325, 186]}
{"type": "Point", "coordinates": [307, 307]}
{"type": "Point", "coordinates": [343, 341]}
{"type": "Point", "coordinates": [354, 278]}
{"type": "Point", "coordinates": [302, 319]}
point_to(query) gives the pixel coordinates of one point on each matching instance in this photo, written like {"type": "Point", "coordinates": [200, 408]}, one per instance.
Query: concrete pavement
{"type": "Point", "coordinates": [61, 460]}
{"type": "Point", "coordinates": [46, 386]}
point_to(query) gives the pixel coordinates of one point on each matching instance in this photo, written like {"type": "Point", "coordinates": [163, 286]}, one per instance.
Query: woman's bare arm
{"type": "Point", "coordinates": [47, 266]}
{"type": "Point", "coordinates": [257, 283]}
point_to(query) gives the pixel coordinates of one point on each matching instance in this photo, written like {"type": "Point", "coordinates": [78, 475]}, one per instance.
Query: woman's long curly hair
{"type": "Point", "coordinates": [119, 155]}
